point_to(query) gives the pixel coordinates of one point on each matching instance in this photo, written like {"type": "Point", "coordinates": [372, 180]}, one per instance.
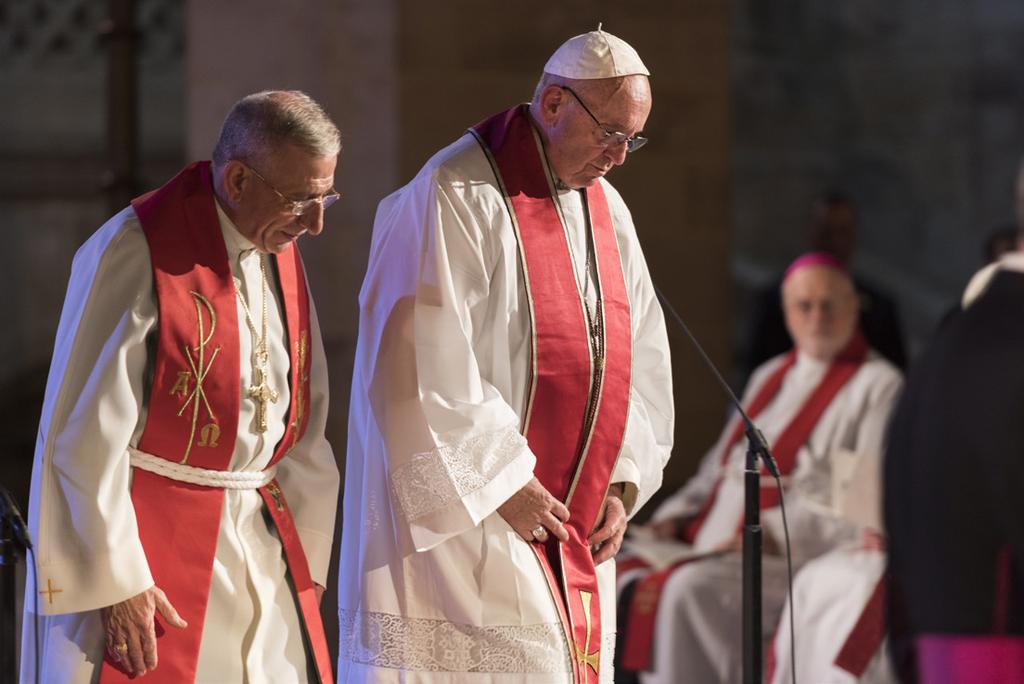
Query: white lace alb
{"type": "Point", "coordinates": [433, 479]}
{"type": "Point", "coordinates": [398, 642]}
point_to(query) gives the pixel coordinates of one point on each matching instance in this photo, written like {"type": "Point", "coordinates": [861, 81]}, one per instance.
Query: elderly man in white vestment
{"type": "Point", "coordinates": [830, 394]}
{"type": "Point", "coordinates": [183, 493]}
{"type": "Point", "coordinates": [511, 402]}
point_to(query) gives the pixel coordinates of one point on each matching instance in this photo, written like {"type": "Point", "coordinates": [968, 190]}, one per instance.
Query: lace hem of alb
{"type": "Point", "coordinates": [397, 642]}
{"type": "Point", "coordinates": [433, 479]}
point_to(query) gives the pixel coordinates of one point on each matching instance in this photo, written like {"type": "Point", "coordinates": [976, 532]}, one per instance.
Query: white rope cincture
{"type": "Point", "coordinates": [221, 479]}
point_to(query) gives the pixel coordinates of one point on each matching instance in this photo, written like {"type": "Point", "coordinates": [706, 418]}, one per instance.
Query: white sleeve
{"type": "Point", "coordinates": [87, 542]}
{"type": "Point", "coordinates": [309, 474]}
{"type": "Point", "coordinates": [453, 444]}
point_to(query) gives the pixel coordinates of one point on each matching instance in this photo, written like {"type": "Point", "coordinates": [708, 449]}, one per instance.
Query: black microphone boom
{"type": "Point", "coordinates": [753, 434]}
{"type": "Point", "coordinates": [753, 543]}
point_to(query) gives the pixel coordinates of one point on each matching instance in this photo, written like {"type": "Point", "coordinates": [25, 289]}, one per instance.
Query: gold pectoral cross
{"type": "Point", "coordinates": [263, 394]}
{"type": "Point", "coordinates": [584, 657]}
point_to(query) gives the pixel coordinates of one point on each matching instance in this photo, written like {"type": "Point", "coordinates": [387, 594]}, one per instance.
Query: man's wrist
{"type": "Point", "coordinates": [617, 489]}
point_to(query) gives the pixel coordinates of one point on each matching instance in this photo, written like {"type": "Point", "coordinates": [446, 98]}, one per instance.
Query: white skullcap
{"type": "Point", "coordinates": [595, 55]}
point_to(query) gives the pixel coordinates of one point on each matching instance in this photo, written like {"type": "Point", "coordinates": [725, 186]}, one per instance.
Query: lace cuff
{"type": "Point", "coordinates": [434, 479]}
{"type": "Point", "coordinates": [399, 642]}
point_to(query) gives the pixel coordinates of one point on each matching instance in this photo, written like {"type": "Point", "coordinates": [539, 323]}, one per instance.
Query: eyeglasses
{"type": "Point", "coordinates": [300, 207]}
{"type": "Point", "coordinates": [609, 137]}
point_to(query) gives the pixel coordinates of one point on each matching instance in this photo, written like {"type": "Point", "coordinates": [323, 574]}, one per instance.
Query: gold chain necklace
{"type": "Point", "coordinates": [260, 390]}
{"type": "Point", "coordinates": [595, 318]}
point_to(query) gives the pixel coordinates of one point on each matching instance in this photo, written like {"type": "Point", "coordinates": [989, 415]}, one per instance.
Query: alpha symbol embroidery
{"type": "Point", "coordinates": [180, 388]}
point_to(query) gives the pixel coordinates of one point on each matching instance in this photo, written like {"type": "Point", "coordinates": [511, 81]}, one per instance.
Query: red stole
{"type": "Point", "coordinates": [577, 405]}
{"type": "Point", "coordinates": [193, 415]}
{"type": "Point", "coordinates": [788, 444]}
{"type": "Point", "coordinates": [867, 634]}
{"type": "Point", "coordinates": [646, 598]}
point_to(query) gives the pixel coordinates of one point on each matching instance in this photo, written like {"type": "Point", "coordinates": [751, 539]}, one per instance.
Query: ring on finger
{"type": "Point", "coordinates": [121, 648]}
{"type": "Point", "coordinates": [539, 533]}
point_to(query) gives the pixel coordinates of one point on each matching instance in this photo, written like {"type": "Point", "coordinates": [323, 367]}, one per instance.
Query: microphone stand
{"type": "Point", "coordinates": [8, 568]}
{"type": "Point", "coordinates": [753, 542]}
{"type": "Point", "coordinates": [14, 541]}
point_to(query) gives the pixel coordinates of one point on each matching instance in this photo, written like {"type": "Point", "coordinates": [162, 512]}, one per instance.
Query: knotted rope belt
{"type": "Point", "coordinates": [221, 479]}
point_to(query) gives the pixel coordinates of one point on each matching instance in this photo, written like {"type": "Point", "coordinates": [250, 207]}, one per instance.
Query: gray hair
{"type": "Point", "coordinates": [546, 79]}
{"type": "Point", "coordinates": [601, 87]}
{"type": "Point", "coordinates": [259, 123]}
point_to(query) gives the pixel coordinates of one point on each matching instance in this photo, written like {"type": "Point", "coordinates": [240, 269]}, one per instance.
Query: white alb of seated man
{"type": "Point", "coordinates": [830, 395]}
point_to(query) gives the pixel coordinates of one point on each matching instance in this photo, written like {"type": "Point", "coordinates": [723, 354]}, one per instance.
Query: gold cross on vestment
{"type": "Point", "coordinates": [585, 658]}
{"type": "Point", "coordinates": [263, 393]}
{"type": "Point", "coordinates": [50, 591]}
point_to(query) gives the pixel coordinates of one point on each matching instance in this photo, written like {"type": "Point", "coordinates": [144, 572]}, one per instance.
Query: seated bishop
{"type": "Point", "coordinates": [830, 394]}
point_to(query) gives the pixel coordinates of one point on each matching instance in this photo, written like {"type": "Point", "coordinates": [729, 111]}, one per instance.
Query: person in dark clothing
{"type": "Point", "coordinates": [1000, 241]}
{"type": "Point", "coordinates": [833, 229]}
{"type": "Point", "coordinates": [953, 483]}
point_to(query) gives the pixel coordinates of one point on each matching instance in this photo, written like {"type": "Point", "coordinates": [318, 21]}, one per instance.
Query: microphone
{"type": "Point", "coordinates": [9, 512]}
{"type": "Point", "coordinates": [757, 441]}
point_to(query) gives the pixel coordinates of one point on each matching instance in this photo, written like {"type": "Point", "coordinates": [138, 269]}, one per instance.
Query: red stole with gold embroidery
{"type": "Point", "coordinates": [192, 415]}
{"type": "Point", "coordinates": [577, 405]}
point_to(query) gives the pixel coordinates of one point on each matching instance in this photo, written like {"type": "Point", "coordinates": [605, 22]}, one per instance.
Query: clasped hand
{"type": "Point", "coordinates": [534, 514]}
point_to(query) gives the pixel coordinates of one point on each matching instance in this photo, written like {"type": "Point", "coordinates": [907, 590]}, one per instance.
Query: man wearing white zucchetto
{"type": "Point", "coordinates": [511, 400]}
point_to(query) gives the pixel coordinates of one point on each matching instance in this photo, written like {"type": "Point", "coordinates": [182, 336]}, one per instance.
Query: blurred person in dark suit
{"type": "Point", "coordinates": [954, 472]}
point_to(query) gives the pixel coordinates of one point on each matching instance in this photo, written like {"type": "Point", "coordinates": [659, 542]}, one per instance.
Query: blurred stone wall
{"type": "Point", "coordinates": [53, 170]}
{"type": "Point", "coordinates": [915, 107]}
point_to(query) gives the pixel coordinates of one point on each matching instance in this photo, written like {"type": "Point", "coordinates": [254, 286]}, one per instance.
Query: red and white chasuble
{"type": "Point", "coordinates": [193, 415]}
{"type": "Point", "coordinates": [577, 409]}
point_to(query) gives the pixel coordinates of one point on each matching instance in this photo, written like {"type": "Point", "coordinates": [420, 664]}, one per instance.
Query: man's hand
{"type": "Point", "coordinates": [319, 593]}
{"type": "Point", "coordinates": [533, 509]}
{"type": "Point", "coordinates": [130, 634]}
{"type": "Point", "coordinates": [606, 540]}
